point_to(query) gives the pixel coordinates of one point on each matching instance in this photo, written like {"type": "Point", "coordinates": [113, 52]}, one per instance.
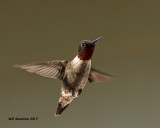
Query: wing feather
{"type": "Point", "coordinates": [51, 69]}
{"type": "Point", "coordinates": [98, 76]}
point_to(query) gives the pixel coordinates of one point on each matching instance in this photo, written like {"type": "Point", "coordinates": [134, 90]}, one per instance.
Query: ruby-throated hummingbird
{"type": "Point", "coordinates": [74, 74]}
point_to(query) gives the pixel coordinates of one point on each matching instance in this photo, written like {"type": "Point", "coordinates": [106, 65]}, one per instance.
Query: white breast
{"type": "Point", "coordinates": [76, 62]}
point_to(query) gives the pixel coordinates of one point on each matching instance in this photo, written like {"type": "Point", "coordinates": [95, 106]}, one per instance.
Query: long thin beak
{"type": "Point", "coordinates": [94, 41]}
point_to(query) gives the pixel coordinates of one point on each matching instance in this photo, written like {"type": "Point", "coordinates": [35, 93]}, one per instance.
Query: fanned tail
{"type": "Point", "coordinates": [60, 109]}
{"type": "Point", "coordinates": [64, 100]}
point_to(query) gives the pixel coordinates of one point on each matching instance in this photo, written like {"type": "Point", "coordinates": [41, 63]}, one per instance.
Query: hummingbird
{"type": "Point", "coordinates": [74, 74]}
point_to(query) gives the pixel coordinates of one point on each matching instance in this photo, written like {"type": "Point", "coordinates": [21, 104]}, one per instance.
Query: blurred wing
{"type": "Point", "coordinates": [51, 69]}
{"type": "Point", "coordinates": [98, 76]}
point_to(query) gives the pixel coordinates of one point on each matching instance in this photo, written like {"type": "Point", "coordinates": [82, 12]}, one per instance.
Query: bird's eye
{"type": "Point", "coordinates": [83, 45]}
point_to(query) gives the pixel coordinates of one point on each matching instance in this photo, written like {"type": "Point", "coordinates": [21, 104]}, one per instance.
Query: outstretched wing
{"type": "Point", "coordinates": [51, 69]}
{"type": "Point", "coordinates": [98, 76]}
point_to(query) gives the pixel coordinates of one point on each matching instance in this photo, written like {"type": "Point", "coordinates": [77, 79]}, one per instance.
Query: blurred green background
{"type": "Point", "coordinates": [49, 30]}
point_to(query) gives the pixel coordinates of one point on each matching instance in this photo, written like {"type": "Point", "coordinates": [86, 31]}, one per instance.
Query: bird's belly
{"type": "Point", "coordinates": [77, 78]}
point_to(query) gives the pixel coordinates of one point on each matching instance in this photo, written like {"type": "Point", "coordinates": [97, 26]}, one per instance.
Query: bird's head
{"type": "Point", "coordinates": [86, 49]}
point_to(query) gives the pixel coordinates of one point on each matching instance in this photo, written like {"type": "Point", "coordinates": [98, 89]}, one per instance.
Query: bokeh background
{"type": "Point", "coordinates": [40, 30]}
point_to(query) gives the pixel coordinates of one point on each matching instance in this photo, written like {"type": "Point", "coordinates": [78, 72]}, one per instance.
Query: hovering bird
{"type": "Point", "coordinates": [73, 74]}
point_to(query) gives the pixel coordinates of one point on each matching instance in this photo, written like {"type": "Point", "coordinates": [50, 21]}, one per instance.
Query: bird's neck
{"type": "Point", "coordinates": [77, 61]}
{"type": "Point", "coordinates": [85, 54]}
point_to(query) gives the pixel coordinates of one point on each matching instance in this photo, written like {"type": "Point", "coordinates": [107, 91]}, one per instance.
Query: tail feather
{"type": "Point", "coordinates": [60, 109]}
{"type": "Point", "coordinates": [64, 100]}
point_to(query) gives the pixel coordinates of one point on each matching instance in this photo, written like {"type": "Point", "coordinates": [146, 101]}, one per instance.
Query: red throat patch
{"type": "Point", "coordinates": [86, 54]}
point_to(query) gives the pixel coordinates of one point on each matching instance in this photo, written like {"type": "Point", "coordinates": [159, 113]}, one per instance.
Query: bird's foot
{"type": "Point", "coordinates": [79, 92]}
{"type": "Point", "coordinates": [75, 94]}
